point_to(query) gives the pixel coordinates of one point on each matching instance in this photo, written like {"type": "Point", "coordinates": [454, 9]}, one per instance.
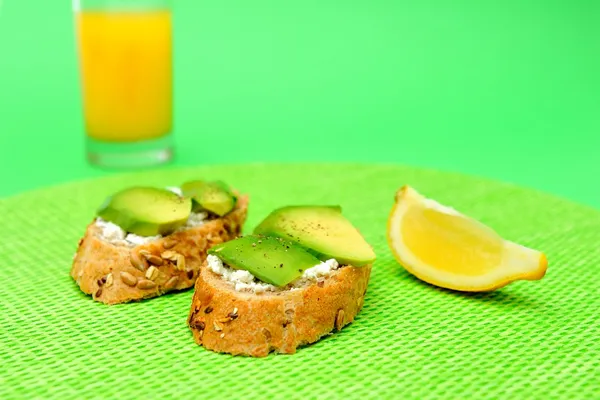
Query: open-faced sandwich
{"type": "Point", "coordinates": [146, 241]}
{"type": "Point", "coordinates": [301, 275]}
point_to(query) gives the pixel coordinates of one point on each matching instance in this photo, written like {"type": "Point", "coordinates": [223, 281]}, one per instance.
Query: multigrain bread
{"type": "Point", "coordinates": [118, 273]}
{"type": "Point", "coordinates": [245, 323]}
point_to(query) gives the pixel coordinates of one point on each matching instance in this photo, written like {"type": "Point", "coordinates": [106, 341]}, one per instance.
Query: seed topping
{"type": "Point", "coordinates": [128, 279]}
{"type": "Point", "coordinates": [146, 284]}
{"type": "Point", "coordinates": [109, 280]}
{"type": "Point", "coordinates": [152, 273]}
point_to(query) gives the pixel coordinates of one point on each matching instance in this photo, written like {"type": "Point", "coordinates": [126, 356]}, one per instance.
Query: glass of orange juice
{"type": "Point", "coordinates": [125, 57]}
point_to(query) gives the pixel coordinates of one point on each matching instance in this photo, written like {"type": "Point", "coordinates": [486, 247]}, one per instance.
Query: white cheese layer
{"type": "Point", "coordinates": [244, 281]}
{"type": "Point", "coordinates": [113, 233]}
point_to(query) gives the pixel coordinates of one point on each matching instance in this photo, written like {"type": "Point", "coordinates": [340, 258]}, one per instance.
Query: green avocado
{"type": "Point", "coordinates": [271, 259]}
{"type": "Point", "coordinates": [215, 196]}
{"type": "Point", "coordinates": [322, 230]}
{"type": "Point", "coordinates": [146, 211]}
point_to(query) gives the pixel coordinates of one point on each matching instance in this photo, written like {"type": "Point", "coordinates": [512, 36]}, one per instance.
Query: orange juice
{"type": "Point", "coordinates": [126, 73]}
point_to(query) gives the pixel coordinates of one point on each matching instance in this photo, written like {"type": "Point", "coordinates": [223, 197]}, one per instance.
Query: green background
{"type": "Point", "coordinates": [508, 90]}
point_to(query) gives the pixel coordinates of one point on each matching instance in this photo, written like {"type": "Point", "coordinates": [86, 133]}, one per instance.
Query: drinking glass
{"type": "Point", "coordinates": [125, 57]}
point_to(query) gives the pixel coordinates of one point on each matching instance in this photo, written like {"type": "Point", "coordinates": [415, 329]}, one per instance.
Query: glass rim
{"type": "Point", "coordinates": [120, 5]}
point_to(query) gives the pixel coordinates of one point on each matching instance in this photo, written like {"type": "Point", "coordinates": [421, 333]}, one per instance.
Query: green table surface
{"type": "Point", "coordinates": [529, 340]}
{"type": "Point", "coordinates": [508, 90]}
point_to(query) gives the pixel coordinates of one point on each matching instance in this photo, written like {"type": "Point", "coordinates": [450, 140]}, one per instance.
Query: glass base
{"type": "Point", "coordinates": [144, 153]}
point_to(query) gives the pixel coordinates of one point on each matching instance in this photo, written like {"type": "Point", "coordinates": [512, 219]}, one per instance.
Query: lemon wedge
{"type": "Point", "coordinates": [445, 248]}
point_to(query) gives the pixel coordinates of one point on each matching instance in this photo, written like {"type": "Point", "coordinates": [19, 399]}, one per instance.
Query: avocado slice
{"type": "Point", "coordinates": [146, 211]}
{"type": "Point", "coordinates": [322, 230]}
{"type": "Point", "coordinates": [214, 196]}
{"type": "Point", "coordinates": [271, 259]}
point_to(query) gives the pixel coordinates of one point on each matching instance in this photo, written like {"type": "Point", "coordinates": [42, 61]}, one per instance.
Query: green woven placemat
{"type": "Point", "coordinates": [528, 340]}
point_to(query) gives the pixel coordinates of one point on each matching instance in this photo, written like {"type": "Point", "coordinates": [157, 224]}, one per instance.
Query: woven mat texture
{"type": "Point", "coordinates": [529, 340]}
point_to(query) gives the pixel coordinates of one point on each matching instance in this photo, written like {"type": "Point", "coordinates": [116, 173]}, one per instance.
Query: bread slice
{"type": "Point", "coordinates": [119, 273]}
{"type": "Point", "coordinates": [245, 323]}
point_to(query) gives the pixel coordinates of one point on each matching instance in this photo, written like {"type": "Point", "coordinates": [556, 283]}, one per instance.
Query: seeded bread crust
{"type": "Point", "coordinates": [118, 274]}
{"type": "Point", "coordinates": [243, 323]}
